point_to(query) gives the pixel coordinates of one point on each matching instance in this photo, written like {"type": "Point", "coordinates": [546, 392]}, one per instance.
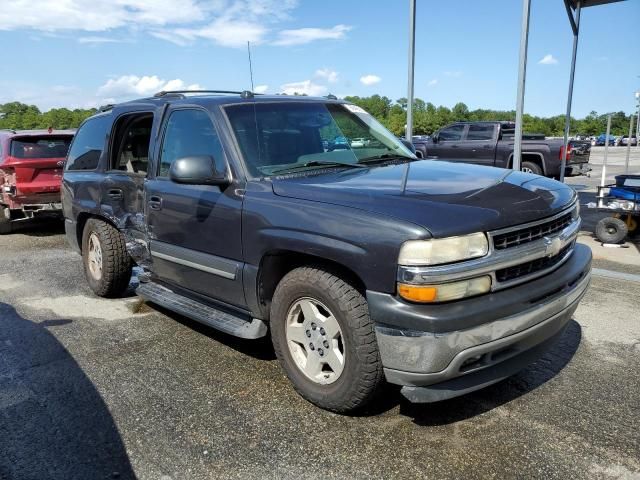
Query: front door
{"type": "Point", "coordinates": [480, 143]}
{"type": "Point", "coordinates": [194, 230]}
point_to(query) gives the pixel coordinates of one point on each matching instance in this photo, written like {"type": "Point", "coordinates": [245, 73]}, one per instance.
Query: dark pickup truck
{"type": "Point", "coordinates": [491, 143]}
{"type": "Point", "coordinates": [364, 263]}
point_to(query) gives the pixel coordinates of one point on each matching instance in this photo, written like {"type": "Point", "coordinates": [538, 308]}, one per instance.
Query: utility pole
{"type": "Point", "coordinates": [412, 56]}
{"type": "Point", "coordinates": [626, 162]}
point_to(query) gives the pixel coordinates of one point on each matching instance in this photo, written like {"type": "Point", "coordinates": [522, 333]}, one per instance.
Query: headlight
{"type": "Point", "coordinates": [443, 250]}
{"type": "Point", "coordinates": [445, 291]}
{"type": "Point", "coordinates": [575, 214]}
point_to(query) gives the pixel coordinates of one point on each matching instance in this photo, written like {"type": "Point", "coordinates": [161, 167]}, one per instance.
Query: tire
{"type": "Point", "coordinates": [361, 372]}
{"type": "Point", "coordinates": [611, 230]}
{"type": "Point", "coordinates": [6, 226]}
{"type": "Point", "coordinates": [110, 276]}
{"type": "Point", "coordinates": [531, 167]}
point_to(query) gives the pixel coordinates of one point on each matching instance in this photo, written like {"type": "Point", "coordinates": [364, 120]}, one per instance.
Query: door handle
{"type": "Point", "coordinates": [115, 194]}
{"type": "Point", "coordinates": [155, 202]}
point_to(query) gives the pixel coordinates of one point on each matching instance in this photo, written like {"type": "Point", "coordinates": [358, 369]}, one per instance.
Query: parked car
{"type": "Point", "coordinates": [360, 142]}
{"type": "Point", "coordinates": [625, 140]}
{"type": "Point", "coordinates": [31, 164]}
{"type": "Point", "coordinates": [600, 141]}
{"type": "Point", "coordinates": [364, 264]}
{"type": "Point", "coordinates": [491, 143]}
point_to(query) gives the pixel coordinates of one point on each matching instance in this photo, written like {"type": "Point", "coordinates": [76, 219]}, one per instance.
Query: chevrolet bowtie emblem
{"type": "Point", "coordinates": [552, 246]}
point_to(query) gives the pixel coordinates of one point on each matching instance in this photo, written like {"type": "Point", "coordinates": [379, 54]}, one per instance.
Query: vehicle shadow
{"type": "Point", "coordinates": [260, 349]}
{"type": "Point", "coordinates": [39, 227]}
{"type": "Point", "coordinates": [482, 401]}
{"type": "Point", "coordinates": [53, 422]}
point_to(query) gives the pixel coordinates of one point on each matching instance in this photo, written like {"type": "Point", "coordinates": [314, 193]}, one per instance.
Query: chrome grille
{"type": "Point", "coordinates": [527, 268]}
{"type": "Point", "coordinates": [528, 234]}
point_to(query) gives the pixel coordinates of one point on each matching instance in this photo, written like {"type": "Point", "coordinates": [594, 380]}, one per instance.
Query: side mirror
{"type": "Point", "coordinates": [408, 144]}
{"type": "Point", "coordinates": [434, 138]}
{"type": "Point", "coordinates": [196, 170]}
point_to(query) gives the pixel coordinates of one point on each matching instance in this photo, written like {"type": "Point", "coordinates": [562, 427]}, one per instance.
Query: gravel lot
{"type": "Point", "coordinates": [94, 388]}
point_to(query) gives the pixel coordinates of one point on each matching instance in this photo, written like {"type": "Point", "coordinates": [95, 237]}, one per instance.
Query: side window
{"type": "Point", "coordinates": [480, 132]}
{"type": "Point", "coordinates": [189, 132]}
{"type": "Point", "coordinates": [88, 144]}
{"type": "Point", "coordinates": [130, 147]}
{"type": "Point", "coordinates": [452, 133]}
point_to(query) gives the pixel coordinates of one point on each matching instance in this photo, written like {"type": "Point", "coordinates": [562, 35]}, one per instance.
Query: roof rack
{"type": "Point", "coordinates": [167, 93]}
{"type": "Point", "coordinates": [106, 108]}
{"type": "Point", "coordinates": [331, 97]}
{"type": "Point", "coordinates": [8, 130]}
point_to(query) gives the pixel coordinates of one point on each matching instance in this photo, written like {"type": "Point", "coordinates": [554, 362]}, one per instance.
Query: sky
{"type": "Point", "coordinates": [85, 53]}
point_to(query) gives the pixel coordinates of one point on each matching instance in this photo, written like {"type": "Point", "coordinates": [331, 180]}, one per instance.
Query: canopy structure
{"type": "Point", "coordinates": [574, 8]}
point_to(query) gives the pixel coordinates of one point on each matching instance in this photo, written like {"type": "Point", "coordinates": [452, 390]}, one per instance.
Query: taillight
{"type": "Point", "coordinates": [569, 149]}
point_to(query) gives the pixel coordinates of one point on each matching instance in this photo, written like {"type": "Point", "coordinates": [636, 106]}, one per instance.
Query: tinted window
{"type": "Point", "coordinates": [451, 133]}
{"type": "Point", "coordinates": [480, 132]}
{"type": "Point", "coordinates": [131, 143]}
{"type": "Point", "coordinates": [190, 132]}
{"type": "Point", "coordinates": [40, 147]}
{"type": "Point", "coordinates": [88, 144]}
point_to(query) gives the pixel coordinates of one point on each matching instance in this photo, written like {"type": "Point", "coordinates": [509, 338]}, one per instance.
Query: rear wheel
{"type": "Point", "coordinates": [5, 221]}
{"type": "Point", "coordinates": [531, 167]}
{"type": "Point", "coordinates": [107, 265]}
{"type": "Point", "coordinates": [611, 230]}
{"type": "Point", "coordinates": [325, 340]}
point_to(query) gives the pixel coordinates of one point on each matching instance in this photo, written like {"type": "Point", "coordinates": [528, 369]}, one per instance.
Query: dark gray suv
{"type": "Point", "coordinates": [252, 215]}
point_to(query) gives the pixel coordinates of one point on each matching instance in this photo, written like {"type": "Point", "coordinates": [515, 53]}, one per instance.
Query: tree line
{"type": "Point", "coordinates": [427, 118]}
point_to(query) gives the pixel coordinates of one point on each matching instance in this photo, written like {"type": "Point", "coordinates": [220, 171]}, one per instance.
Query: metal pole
{"type": "Point", "coordinates": [412, 46]}
{"type": "Point", "coordinates": [522, 74]}
{"type": "Point", "coordinates": [626, 162]}
{"type": "Point", "coordinates": [606, 150]}
{"type": "Point", "coordinates": [567, 120]}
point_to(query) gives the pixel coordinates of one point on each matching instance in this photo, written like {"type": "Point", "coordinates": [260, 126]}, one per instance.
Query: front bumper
{"type": "Point", "coordinates": [442, 351]}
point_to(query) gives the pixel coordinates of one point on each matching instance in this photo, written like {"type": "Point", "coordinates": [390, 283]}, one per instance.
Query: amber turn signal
{"type": "Point", "coordinates": [417, 293]}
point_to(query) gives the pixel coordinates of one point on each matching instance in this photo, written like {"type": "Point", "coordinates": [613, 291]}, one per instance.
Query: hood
{"type": "Point", "coordinates": [445, 198]}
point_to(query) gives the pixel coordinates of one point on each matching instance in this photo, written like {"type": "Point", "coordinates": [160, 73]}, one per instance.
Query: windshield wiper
{"type": "Point", "coordinates": [317, 163]}
{"type": "Point", "coordinates": [385, 157]}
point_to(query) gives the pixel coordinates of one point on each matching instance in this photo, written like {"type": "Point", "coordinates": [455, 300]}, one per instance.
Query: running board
{"type": "Point", "coordinates": [223, 321]}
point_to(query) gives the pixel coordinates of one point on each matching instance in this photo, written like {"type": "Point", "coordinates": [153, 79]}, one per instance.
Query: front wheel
{"type": "Point", "coordinates": [325, 340]}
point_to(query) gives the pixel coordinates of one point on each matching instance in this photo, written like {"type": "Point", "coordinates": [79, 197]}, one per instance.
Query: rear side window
{"type": "Point", "coordinates": [40, 147]}
{"type": "Point", "coordinates": [190, 132]}
{"type": "Point", "coordinates": [480, 132]}
{"type": "Point", "coordinates": [88, 144]}
{"type": "Point", "coordinates": [130, 149]}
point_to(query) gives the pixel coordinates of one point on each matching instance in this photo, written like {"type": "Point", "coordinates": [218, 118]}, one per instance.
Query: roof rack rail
{"type": "Point", "coordinates": [331, 97]}
{"type": "Point", "coordinates": [106, 108]}
{"type": "Point", "coordinates": [165, 93]}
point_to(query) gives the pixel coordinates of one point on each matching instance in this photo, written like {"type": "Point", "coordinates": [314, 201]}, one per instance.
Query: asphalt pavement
{"type": "Point", "coordinates": [101, 389]}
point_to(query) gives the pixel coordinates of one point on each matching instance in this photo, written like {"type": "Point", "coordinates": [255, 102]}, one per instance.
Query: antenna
{"type": "Point", "coordinates": [250, 67]}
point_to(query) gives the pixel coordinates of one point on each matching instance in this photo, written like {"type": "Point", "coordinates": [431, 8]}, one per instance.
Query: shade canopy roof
{"type": "Point", "coordinates": [591, 3]}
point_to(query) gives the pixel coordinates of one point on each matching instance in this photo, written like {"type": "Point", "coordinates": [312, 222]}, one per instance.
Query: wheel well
{"type": "Point", "coordinates": [82, 220]}
{"type": "Point", "coordinates": [274, 266]}
{"type": "Point", "coordinates": [530, 157]}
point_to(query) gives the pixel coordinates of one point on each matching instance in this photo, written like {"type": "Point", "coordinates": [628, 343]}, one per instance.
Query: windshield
{"type": "Point", "coordinates": [40, 147]}
{"type": "Point", "coordinates": [282, 136]}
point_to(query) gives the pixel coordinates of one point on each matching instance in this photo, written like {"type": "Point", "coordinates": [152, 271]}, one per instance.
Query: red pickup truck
{"type": "Point", "coordinates": [31, 163]}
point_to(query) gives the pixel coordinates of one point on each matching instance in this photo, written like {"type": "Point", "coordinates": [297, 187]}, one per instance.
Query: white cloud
{"type": "Point", "coordinates": [432, 82]}
{"type": "Point", "coordinates": [301, 36]}
{"type": "Point", "coordinates": [303, 87]}
{"type": "Point", "coordinates": [548, 59]}
{"type": "Point", "coordinates": [128, 86]}
{"type": "Point", "coordinates": [97, 40]}
{"type": "Point", "coordinates": [329, 75]}
{"type": "Point", "coordinates": [369, 80]}
{"type": "Point", "coordinates": [261, 88]}
{"type": "Point", "coordinates": [95, 15]}
{"type": "Point", "coordinates": [229, 23]}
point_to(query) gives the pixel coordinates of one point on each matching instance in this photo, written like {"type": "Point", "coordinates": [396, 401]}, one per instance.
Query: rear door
{"type": "Point", "coordinates": [480, 143]}
{"type": "Point", "coordinates": [195, 229]}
